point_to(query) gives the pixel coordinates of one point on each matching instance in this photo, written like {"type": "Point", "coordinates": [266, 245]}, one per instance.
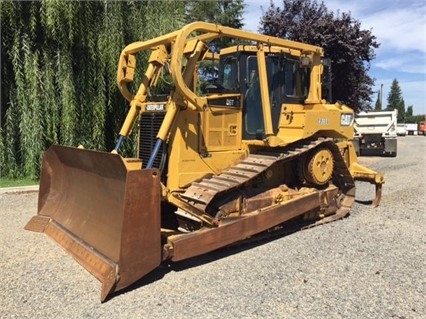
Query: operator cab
{"type": "Point", "coordinates": [287, 82]}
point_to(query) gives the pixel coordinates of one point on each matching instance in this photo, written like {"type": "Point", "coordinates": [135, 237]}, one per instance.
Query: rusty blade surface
{"type": "Point", "coordinates": [106, 216]}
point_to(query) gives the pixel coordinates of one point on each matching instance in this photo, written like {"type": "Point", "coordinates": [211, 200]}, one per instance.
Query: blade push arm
{"type": "Point", "coordinates": [126, 68]}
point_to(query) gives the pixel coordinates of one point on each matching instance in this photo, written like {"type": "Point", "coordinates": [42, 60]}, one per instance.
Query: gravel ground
{"type": "Point", "coordinates": [369, 265]}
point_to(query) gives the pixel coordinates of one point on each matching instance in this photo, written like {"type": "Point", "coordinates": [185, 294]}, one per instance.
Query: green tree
{"type": "Point", "coordinates": [395, 100]}
{"type": "Point", "coordinates": [224, 12]}
{"type": "Point", "coordinates": [409, 118]}
{"type": "Point", "coordinates": [350, 48]}
{"type": "Point", "coordinates": [378, 105]}
{"type": "Point", "coordinates": [58, 73]}
{"type": "Point", "coordinates": [409, 111]}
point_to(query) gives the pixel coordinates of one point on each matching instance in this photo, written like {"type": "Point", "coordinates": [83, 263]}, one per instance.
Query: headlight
{"type": "Point", "coordinates": [346, 119]}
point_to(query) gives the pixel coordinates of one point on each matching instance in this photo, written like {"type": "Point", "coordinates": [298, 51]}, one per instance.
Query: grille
{"type": "Point", "coordinates": [148, 128]}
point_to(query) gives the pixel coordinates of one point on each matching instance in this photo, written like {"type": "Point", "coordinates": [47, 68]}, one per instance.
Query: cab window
{"type": "Point", "coordinates": [228, 74]}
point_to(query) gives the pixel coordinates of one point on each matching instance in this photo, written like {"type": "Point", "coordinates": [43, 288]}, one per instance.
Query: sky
{"type": "Point", "coordinates": [400, 28]}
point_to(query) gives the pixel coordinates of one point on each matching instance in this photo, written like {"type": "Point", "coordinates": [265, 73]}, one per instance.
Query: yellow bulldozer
{"type": "Point", "coordinates": [256, 147]}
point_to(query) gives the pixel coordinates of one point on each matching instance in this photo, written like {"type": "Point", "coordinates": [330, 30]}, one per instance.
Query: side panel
{"type": "Point", "coordinates": [221, 129]}
{"type": "Point", "coordinates": [203, 143]}
{"type": "Point", "coordinates": [298, 122]}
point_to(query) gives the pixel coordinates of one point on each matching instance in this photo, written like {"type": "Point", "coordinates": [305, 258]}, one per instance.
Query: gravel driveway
{"type": "Point", "coordinates": [369, 265]}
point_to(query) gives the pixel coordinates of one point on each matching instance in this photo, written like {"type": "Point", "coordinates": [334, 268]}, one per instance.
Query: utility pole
{"type": "Point", "coordinates": [381, 96]}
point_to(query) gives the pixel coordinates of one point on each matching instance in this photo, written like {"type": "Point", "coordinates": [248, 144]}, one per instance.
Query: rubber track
{"type": "Point", "coordinates": [201, 194]}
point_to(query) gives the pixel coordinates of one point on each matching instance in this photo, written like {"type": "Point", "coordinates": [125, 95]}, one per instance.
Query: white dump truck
{"type": "Point", "coordinates": [375, 133]}
{"type": "Point", "coordinates": [401, 130]}
{"type": "Point", "coordinates": [411, 128]}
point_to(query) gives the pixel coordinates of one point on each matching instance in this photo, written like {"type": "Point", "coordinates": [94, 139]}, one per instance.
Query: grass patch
{"type": "Point", "coordinates": [15, 182]}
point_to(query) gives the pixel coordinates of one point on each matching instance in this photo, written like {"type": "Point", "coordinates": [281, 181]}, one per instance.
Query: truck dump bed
{"type": "Point", "coordinates": [376, 123]}
{"type": "Point", "coordinates": [375, 133]}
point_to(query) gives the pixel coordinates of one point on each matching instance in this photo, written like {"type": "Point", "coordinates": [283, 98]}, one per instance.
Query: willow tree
{"type": "Point", "coordinates": [58, 70]}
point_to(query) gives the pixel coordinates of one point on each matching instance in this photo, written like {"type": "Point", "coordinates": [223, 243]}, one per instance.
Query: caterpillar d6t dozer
{"type": "Point", "coordinates": [255, 148]}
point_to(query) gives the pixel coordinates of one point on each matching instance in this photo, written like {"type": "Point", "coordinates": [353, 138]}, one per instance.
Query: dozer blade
{"type": "Point", "coordinates": [105, 215]}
